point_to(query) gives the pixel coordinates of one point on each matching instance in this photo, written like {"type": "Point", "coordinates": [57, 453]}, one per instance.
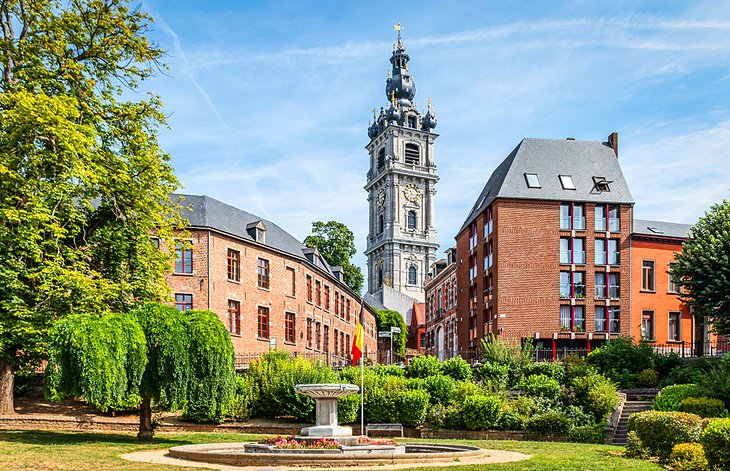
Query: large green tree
{"type": "Point", "coordinates": [83, 181]}
{"type": "Point", "coordinates": [153, 355]}
{"type": "Point", "coordinates": [703, 267]}
{"type": "Point", "coordinates": [385, 319]}
{"type": "Point", "coordinates": [336, 243]}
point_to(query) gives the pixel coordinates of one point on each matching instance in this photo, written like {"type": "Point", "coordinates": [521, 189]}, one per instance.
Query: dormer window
{"type": "Point", "coordinates": [260, 235]}
{"type": "Point", "coordinates": [567, 182]}
{"type": "Point", "coordinates": [601, 184]}
{"type": "Point", "coordinates": [257, 231]}
{"type": "Point", "coordinates": [532, 180]}
{"type": "Point", "coordinates": [413, 154]}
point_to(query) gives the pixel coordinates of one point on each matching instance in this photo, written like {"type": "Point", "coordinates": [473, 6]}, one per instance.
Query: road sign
{"type": "Point", "coordinates": [384, 333]}
{"type": "Point", "coordinates": [395, 330]}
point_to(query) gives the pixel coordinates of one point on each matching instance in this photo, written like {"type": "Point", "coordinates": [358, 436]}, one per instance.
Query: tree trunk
{"type": "Point", "coordinates": [7, 380]}
{"type": "Point", "coordinates": [145, 420]}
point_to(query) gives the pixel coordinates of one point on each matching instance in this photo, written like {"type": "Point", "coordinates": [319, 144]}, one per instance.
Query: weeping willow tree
{"type": "Point", "coordinates": [153, 355]}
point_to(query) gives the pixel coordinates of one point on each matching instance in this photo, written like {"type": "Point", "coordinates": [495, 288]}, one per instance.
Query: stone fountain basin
{"type": "Point", "coordinates": [326, 391]}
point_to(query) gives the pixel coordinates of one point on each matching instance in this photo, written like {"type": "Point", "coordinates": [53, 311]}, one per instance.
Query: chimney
{"type": "Point", "coordinates": [613, 142]}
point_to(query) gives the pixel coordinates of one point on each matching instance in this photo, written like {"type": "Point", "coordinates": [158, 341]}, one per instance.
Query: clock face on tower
{"type": "Point", "coordinates": [412, 192]}
{"type": "Point", "coordinates": [380, 197]}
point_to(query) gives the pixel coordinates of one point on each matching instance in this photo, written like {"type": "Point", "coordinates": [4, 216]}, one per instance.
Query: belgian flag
{"type": "Point", "coordinates": [357, 347]}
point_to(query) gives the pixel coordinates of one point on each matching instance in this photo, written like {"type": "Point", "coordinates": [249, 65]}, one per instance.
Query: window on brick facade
{"type": "Point", "coordinates": [572, 250]}
{"type": "Point", "coordinates": [673, 287]}
{"type": "Point", "coordinates": [347, 341]}
{"type": "Point", "coordinates": [606, 252]}
{"type": "Point", "coordinates": [674, 326]}
{"type": "Point", "coordinates": [183, 257]}
{"type": "Point", "coordinates": [488, 256]}
{"type": "Point", "coordinates": [488, 222]}
{"type": "Point", "coordinates": [647, 325]}
{"type": "Point", "coordinates": [263, 273]}
{"type": "Point", "coordinates": [607, 317]}
{"type": "Point", "coordinates": [290, 327]}
{"type": "Point", "coordinates": [347, 310]}
{"type": "Point", "coordinates": [183, 302]}
{"type": "Point", "coordinates": [572, 284]}
{"type": "Point", "coordinates": [309, 288]}
{"type": "Point", "coordinates": [647, 275]}
{"type": "Point", "coordinates": [234, 265]}
{"type": "Point", "coordinates": [572, 318]}
{"type": "Point", "coordinates": [607, 218]}
{"type": "Point", "coordinates": [155, 242]}
{"type": "Point", "coordinates": [318, 293]}
{"type": "Point", "coordinates": [326, 342]}
{"type": "Point", "coordinates": [336, 341]}
{"type": "Point", "coordinates": [318, 335]}
{"type": "Point", "coordinates": [572, 216]}
{"type": "Point", "coordinates": [614, 289]}
{"type": "Point", "coordinates": [327, 298]}
{"type": "Point", "coordinates": [263, 322]}
{"type": "Point", "coordinates": [291, 275]}
{"type": "Point", "coordinates": [234, 317]}
{"type": "Point", "coordinates": [600, 285]}
{"type": "Point", "coordinates": [343, 347]}
{"type": "Point", "coordinates": [472, 236]}
{"type": "Point", "coordinates": [337, 303]}
{"type": "Point", "coordinates": [309, 333]}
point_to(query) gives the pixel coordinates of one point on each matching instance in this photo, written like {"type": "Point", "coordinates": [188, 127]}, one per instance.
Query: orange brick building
{"type": "Point", "coordinates": [268, 289]}
{"type": "Point", "coordinates": [441, 319]}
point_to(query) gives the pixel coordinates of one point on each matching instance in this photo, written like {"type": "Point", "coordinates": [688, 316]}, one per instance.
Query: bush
{"type": "Point", "coordinates": [688, 457]}
{"type": "Point", "coordinates": [660, 431]}
{"type": "Point", "coordinates": [715, 440]}
{"type": "Point", "coordinates": [596, 394]}
{"type": "Point", "coordinates": [457, 368]}
{"type": "Point", "coordinates": [551, 370]}
{"type": "Point", "coordinates": [240, 405]}
{"type": "Point", "coordinates": [510, 419]}
{"type": "Point", "coordinates": [528, 406]}
{"type": "Point", "coordinates": [634, 447]}
{"type": "Point", "coordinates": [445, 417]}
{"type": "Point", "coordinates": [647, 378]}
{"type": "Point", "coordinates": [587, 434]}
{"type": "Point", "coordinates": [671, 397]}
{"type": "Point", "coordinates": [691, 372]}
{"type": "Point", "coordinates": [493, 373]}
{"type": "Point", "coordinates": [623, 361]}
{"type": "Point", "coordinates": [481, 412]}
{"type": "Point", "coordinates": [575, 366]}
{"type": "Point", "coordinates": [551, 422]}
{"type": "Point", "coordinates": [385, 370]}
{"type": "Point", "coordinates": [515, 354]}
{"type": "Point", "coordinates": [716, 382]}
{"type": "Point", "coordinates": [348, 408]}
{"type": "Point", "coordinates": [463, 389]}
{"type": "Point", "coordinates": [580, 417]}
{"type": "Point", "coordinates": [703, 406]}
{"type": "Point", "coordinates": [411, 407]}
{"type": "Point", "coordinates": [423, 366]}
{"type": "Point", "coordinates": [440, 388]}
{"type": "Point", "coordinates": [540, 385]}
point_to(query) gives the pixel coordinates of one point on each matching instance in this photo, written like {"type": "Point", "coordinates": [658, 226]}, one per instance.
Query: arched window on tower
{"type": "Point", "coordinates": [412, 275]}
{"type": "Point", "coordinates": [413, 154]}
{"type": "Point", "coordinates": [411, 219]}
{"type": "Point", "coordinates": [412, 122]}
{"type": "Point", "coordinates": [381, 223]}
{"type": "Point", "coordinates": [381, 158]}
{"type": "Point", "coordinates": [380, 277]}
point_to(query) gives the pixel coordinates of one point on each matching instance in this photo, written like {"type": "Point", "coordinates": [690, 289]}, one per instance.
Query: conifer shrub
{"type": "Point", "coordinates": [481, 412]}
{"type": "Point", "coordinates": [715, 440]}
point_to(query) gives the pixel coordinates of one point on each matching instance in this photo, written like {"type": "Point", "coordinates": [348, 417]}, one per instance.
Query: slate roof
{"type": "Point", "coordinates": [661, 229]}
{"type": "Point", "coordinates": [210, 213]}
{"type": "Point", "coordinates": [549, 158]}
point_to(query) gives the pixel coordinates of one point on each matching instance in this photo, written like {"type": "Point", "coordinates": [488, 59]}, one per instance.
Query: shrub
{"type": "Point", "coordinates": [623, 361]}
{"type": "Point", "coordinates": [348, 408]}
{"type": "Point", "coordinates": [416, 383]}
{"type": "Point", "coordinates": [647, 378]}
{"type": "Point", "coordinates": [494, 373]}
{"type": "Point", "coordinates": [671, 397]}
{"type": "Point", "coordinates": [575, 366]}
{"type": "Point", "coordinates": [703, 406]}
{"type": "Point", "coordinates": [385, 370]}
{"type": "Point", "coordinates": [457, 368]}
{"type": "Point", "coordinates": [551, 370]}
{"type": "Point", "coordinates": [540, 385]}
{"type": "Point", "coordinates": [510, 419]}
{"type": "Point", "coordinates": [445, 417]}
{"type": "Point", "coordinates": [715, 440]}
{"type": "Point", "coordinates": [440, 388]}
{"type": "Point", "coordinates": [481, 412]}
{"type": "Point", "coordinates": [463, 389]}
{"type": "Point", "coordinates": [242, 400]}
{"type": "Point", "coordinates": [528, 406]}
{"type": "Point", "coordinates": [411, 407]}
{"type": "Point", "coordinates": [634, 447]}
{"type": "Point", "coordinates": [551, 422]}
{"type": "Point", "coordinates": [423, 366]}
{"type": "Point", "coordinates": [587, 434]}
{"type": "Point", "coordinates": [580, 417]}
{"type": "Point", "coordinates": [516, 354]}
{"type": "Point", "coordinates": [716, 382]}
{"type": "Point", "coordinates": [660, 431]}
{"type": "Point", "coordinates": [688, 457]}
{"type": "Point", "coordinates": [596, 394]}
{"type": "Point", "coordinates": [691, 372]}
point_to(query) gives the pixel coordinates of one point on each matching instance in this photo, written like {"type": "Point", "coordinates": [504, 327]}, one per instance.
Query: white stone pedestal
{"type": "Point", "coordinates": [325, 397]}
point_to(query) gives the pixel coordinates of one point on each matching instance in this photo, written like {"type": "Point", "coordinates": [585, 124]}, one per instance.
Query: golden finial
{"type": "Point", "coordinates": [406, 67]}
{"type": "Point", "coordinates": [398, 28]}
{"type": "Point", "coordinates": [429, 103]}
{"type": "Point", "coordinates": [388, 73]}
{"type": "Point", "coordinates": [374, 116]}
{"type": "Point", "coordinates": [392, 97]}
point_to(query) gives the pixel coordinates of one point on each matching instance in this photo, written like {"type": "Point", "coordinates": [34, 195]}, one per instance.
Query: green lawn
{"type": "Point", "coordinates": [42, 450]}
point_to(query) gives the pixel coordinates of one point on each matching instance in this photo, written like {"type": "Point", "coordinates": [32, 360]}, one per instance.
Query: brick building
{"type": "Point", "coordinates": [657, 314]}
{"type": "Point", "coordinates": [268, 289]}
{"type": "Point", "coordinates": [441, 319]}
{"type": "Point", "coordinates": [544, 252]}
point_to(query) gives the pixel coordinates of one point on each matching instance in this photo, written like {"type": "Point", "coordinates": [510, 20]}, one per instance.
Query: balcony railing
{"type": "Point", "coordinates": [614, 224]}
{"type": "Point", "coordinates": [576, 222]}
{"type": "Point", "coordinates": [566, 256]}
{"type": "Point", "coordinates": [614, 292]}
{"type": "Point", "coordinates": [600, 292]}
{"type": "Point", "coordinates": [600, 224]}
{"type": "Point", "coordinates": [579, 257]}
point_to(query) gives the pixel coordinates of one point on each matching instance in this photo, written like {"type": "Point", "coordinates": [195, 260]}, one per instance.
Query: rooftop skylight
{"type": "Point", "coordinates": [532, 181]}
{"type": "Point", "coordinates": [567, 182]}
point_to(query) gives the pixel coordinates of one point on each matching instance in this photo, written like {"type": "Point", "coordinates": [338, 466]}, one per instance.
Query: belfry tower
{"type": "Point", "coordinates": [401, 186]}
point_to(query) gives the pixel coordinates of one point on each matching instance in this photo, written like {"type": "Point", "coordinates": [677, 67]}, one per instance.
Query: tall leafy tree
{"type": "Point", "coordinates": [387, 318]}
{"type": "Point", "coordinates": [156, 355]}
{"type": "Point", "coordinates": [83, 181]}
{"type": "Point", "coordinates": [703, 267]}
{"type": "Point", "coordinates": [336, 243]}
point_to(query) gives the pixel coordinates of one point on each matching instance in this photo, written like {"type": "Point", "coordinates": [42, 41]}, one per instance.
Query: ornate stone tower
{"type": "Point", "coordinates": [401, 185]}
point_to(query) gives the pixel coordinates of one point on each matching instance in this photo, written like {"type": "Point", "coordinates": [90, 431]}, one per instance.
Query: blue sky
{"type": "Point", "coordinates": [269, 102]}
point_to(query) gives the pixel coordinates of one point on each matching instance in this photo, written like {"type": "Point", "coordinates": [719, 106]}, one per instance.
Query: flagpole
{"type": "Point", "coordinates": [362, 396]}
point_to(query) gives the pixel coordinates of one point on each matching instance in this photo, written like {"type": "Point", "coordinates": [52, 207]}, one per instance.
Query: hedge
{"type": "Point", "coordinates": [671, 397]}
{"type": "Point", "coordinates": [703, 406]}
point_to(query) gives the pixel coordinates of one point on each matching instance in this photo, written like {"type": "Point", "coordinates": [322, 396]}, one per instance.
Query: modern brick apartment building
{"type": "Point", "coordinates": [545, 251]}
{"type": "Point", "coordinates": [657, 314]}
{"type": "Point", "coordinates": [441, 319]}
{"type": "Point", "coordinates": [269, 289]}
